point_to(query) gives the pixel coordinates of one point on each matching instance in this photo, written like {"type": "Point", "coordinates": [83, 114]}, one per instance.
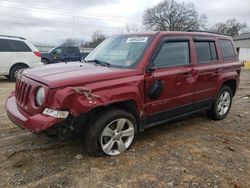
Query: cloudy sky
{"type": "Point", "coordinates": [52, 21]}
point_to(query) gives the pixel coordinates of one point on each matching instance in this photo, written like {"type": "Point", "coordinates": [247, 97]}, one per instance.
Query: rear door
{"type": "Point", "coordinates": [5, 57]}
{"type": "Point", "coordinates": [71, 54]}
{"type": "Point", "coordinates": [207, 70]}
{"type": "Point", "coordinates": [172, 62]}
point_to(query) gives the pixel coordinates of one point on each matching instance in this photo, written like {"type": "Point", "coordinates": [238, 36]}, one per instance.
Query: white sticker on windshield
{"type": "Point", "coordinates": [137, 39]}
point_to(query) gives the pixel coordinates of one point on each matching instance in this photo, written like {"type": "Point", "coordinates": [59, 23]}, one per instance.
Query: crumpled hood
{"type": "Point", "coordinates": [73, 73]}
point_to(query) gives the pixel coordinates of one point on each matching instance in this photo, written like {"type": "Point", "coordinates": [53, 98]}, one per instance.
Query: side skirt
{"type": "Point", "coordinates": [176, 113]}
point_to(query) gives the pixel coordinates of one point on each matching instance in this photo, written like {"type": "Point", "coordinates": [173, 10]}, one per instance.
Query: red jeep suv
{"type": "Point", "coordinates": [127, 84]}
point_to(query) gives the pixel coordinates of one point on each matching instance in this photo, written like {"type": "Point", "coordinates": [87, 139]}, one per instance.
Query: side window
{"type": "Point", "coordinates": [4, 45]}
{"type": "Point", "coordinates": [18, 46]}
{"type": "Point", "coordinates": [227, 49]}
{"type": "Point", "coordinates": [57, 51]}
{"type": "Point", "coordinates": [206, 52]}
{"type": "Point", "coordinates": [172, 54]}
{"type": "Point", "coordinates": [71, 50]}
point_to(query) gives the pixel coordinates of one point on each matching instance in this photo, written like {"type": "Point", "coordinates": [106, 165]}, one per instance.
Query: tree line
{"type": "Point", "coordinates": [170, 15]}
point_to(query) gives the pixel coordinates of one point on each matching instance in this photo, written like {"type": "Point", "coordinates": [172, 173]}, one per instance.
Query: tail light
{"type": "Point", "coordinates": [38, 54]}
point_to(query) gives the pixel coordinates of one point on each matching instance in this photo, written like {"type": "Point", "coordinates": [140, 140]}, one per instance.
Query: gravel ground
{"type": "Point", "coordinates": [193, 152]}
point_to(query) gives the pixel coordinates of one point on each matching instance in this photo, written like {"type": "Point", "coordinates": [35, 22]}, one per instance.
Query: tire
{"type": "Point", "coordinates": [103, 132]}
{"type": "Point", "coordinates": [14, 72]}
{"type": "Point", "coordinates": [45, 61]}
{"type": "Point", "coordinates": [222, 104]}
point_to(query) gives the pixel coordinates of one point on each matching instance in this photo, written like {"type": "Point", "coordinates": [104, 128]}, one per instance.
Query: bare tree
{"type": "Point", "coordinates": [169, 15]}
{"type": "Point", "coordinates": [74, 42]}
{"type": "Point", "coordinates": [69, 42]}
{"type": "Point", "coordinates": [131, 28]}
{"type": "Point", "coordinates": [231, 27]}
{"type": "Point", "coordinates": [97, 37]}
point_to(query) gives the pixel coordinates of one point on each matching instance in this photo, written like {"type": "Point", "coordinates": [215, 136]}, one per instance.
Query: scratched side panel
{"type": "Point", "coordinates": [81, 99]}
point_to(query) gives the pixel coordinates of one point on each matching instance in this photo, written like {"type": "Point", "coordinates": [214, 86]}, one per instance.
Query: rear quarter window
{"type": "Point", "coordinates": [227, 49]}
{"type": "Point", "coordinates": [18, 46]}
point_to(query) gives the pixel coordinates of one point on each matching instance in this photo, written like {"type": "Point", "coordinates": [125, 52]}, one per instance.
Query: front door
{"type": "Point", "coordinates": [173, 77]}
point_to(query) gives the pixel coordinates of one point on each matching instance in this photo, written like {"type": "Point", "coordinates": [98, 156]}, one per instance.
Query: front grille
{"type": "Point", "coordinates": [22, 92]}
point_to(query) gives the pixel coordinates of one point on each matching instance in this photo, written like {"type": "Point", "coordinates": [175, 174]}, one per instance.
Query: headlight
{"type": "Point", "coordinates": [40, 94]}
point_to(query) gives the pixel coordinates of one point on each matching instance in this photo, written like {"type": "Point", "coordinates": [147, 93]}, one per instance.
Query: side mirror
{"type": "Point", "coordinates": [156, 89]}
{"type": "Point", "coordinates": [151, 68]}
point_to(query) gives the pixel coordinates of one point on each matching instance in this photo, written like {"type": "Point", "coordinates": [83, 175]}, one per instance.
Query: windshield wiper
{"type": "Point", "coordinates": [103, 63]}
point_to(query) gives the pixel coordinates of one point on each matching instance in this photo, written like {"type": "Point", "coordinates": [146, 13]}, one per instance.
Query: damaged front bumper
{"type": "Point", "coordinates": [35, 123]}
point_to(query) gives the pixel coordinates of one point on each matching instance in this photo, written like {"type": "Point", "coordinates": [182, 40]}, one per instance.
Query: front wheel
{"type": "Point", "coordinates": [15, 71]}
{"type": "Point", "coordinates": [111, 133]}
{"type": "Point", "coordinates": [222, 104]}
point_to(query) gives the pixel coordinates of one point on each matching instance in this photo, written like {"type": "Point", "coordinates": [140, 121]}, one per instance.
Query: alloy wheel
{"type": "Point", "coordinates": [17, 73]}
{"type": "Point", "coordinates": [117, 136]}
{"type": "Point", "coordinates": [224, 103]}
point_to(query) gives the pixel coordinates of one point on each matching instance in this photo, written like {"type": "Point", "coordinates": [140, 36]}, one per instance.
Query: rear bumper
{"type": "Point", "coordinates": [37, 123]}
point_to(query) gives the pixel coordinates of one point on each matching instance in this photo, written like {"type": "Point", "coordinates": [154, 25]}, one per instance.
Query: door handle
{"type": "Point", "coordinates": [186, 73]}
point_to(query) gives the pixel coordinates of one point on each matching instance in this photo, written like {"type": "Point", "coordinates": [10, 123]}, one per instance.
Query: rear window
{"type": "Point", "coordinates": [227, 49]}
{"type": "Point", "coordinates": [18, 46]}
{"type": "Point", "coordinates": [4, 45]}
{"type": "Point", "coordinates": [206, 52]}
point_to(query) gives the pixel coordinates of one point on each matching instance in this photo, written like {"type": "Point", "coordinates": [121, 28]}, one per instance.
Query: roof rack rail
{"type": "Point", "coordinates": [12, 37]}
{"type": "Point", "coordinates": [202, 31]}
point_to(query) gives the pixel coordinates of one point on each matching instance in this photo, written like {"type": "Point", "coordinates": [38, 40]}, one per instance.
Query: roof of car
{"type": "Point", "coordinates": [192, 33]}
{"type": "Point", "coordinates": [198, 32]}
{"type": "Point", "coordinates": [11, 37]}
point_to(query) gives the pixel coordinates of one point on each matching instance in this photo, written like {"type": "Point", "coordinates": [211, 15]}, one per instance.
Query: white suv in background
{"type": "Point", "coordinates": [17, 53]}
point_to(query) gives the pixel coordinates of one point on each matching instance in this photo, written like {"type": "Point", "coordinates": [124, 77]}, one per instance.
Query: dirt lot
{"type": "Point", "coordinates": [194, 152]}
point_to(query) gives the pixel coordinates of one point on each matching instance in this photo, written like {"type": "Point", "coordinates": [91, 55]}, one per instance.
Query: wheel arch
{"type": "Point", "coordinates": [127, 105]}
{"type": "Point", "coordinates": [46, 59]}
{"type": "Point", "coordinates": [17, 64]}
{"type": "Point", "coordinates": [232, 84]}
{"type": "Point", "coordinates": [214, 111]}
{"type": "Point", "coordinates": [231, 79]}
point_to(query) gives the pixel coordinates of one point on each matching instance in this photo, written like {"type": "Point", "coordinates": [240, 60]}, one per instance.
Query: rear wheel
{"type": "Point", "coordinates": [15, 71]}
{"type": "Point", "coordinates": [222, 104]}
{"type": "Point", "coordinates": [111, 133]}
{"type": "Point", "coordinates": [45, 61]}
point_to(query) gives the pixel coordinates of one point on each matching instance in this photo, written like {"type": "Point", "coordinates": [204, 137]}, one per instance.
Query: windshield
{"type": "Point", "coordinates": [120, 51]}
{"type": "Point", "coordinates": [52, 49]}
